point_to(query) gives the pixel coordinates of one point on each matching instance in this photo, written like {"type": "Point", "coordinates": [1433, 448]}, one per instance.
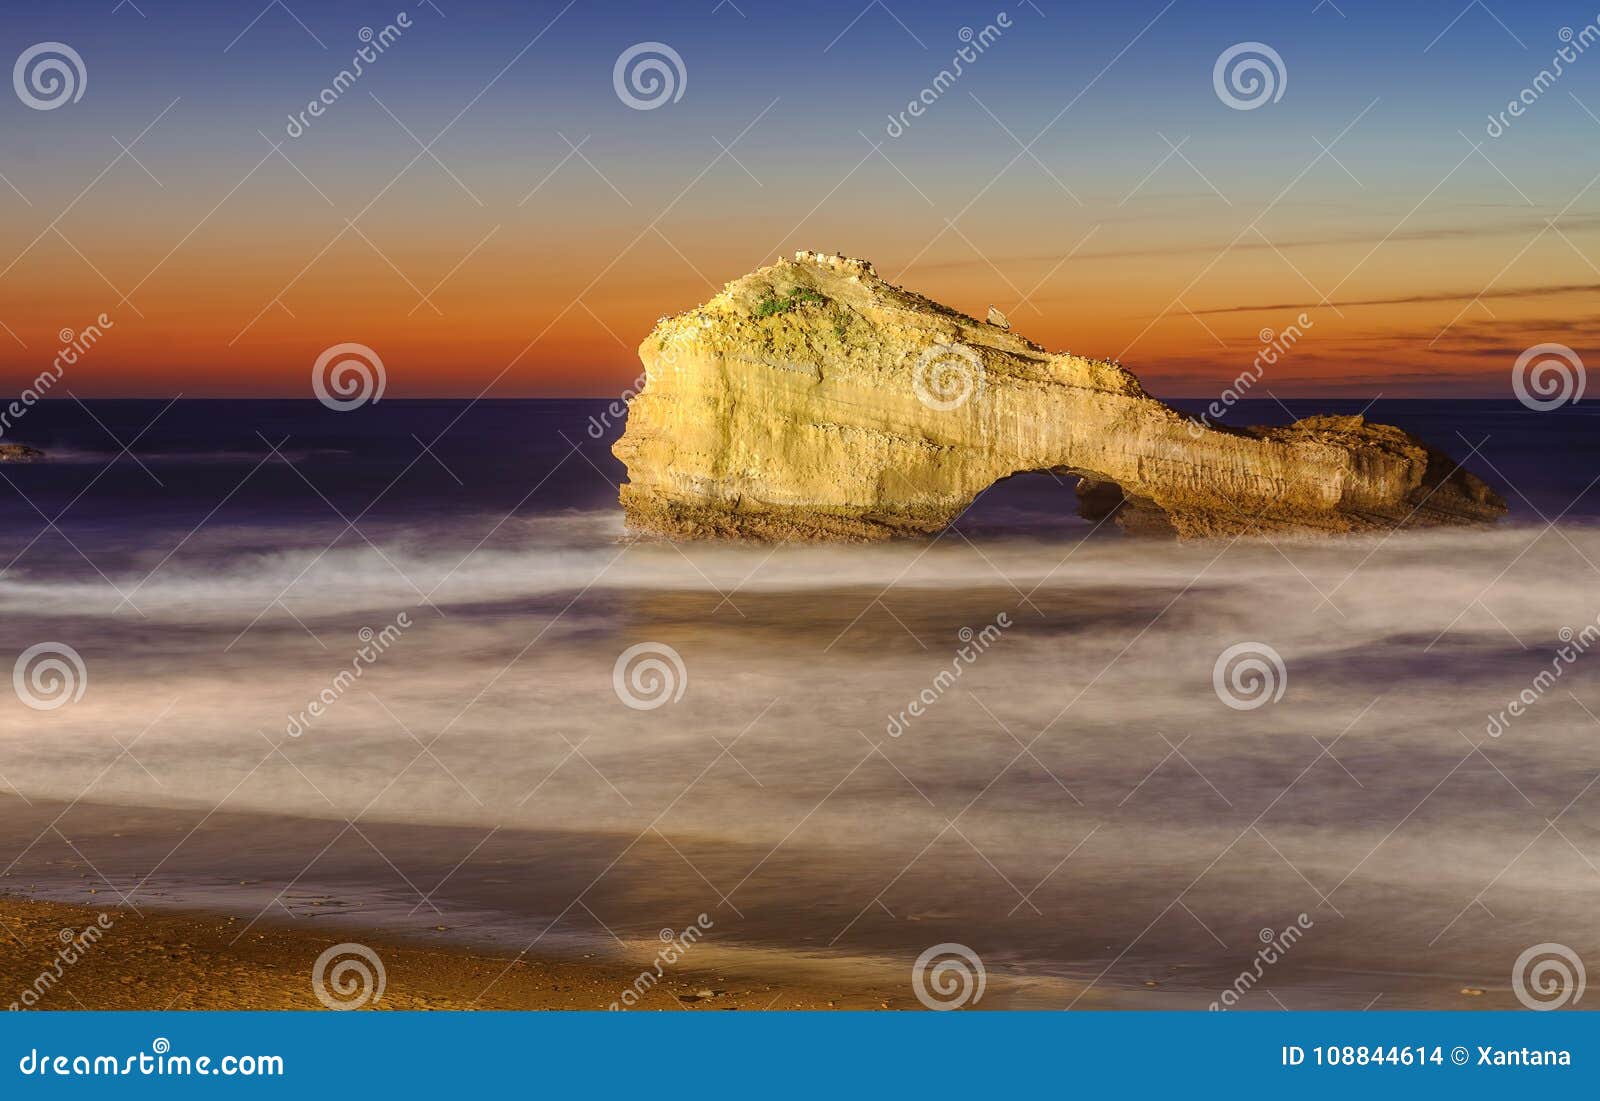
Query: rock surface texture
{"type": "Point", "coordinates": [813, 400]}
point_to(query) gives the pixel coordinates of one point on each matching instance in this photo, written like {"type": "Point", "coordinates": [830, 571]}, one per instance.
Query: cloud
{"type": "Point", "coordinates": [1519, 227]}
{"type": "Point", "coordinates": [1549, 291]}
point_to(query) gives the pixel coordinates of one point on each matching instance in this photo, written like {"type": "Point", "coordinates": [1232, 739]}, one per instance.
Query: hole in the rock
{"type": "Point", "coordinates": [1037, 503]}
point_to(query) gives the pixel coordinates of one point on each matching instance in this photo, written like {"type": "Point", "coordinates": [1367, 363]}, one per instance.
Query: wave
{"type": "Point", "coordinates": [217, 575]}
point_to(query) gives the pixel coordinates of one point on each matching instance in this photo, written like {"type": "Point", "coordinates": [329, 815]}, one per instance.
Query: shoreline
{"type": "Point", "coordinates": [202, 942]}
{"type": "Point", "coordinates": [118, 959]}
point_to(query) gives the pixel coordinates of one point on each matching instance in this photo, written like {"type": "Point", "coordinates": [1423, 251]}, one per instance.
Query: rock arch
{"type": "Point", "coordinates": [813, 400]}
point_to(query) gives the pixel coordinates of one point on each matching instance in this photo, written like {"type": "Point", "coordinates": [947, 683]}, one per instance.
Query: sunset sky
{"type": "Point", "coordinates": [503, 262]}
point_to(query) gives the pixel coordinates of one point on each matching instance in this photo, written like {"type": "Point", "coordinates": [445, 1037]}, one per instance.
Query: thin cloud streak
{"type": "Point", "coordinates": [1438, 233]}
{"type": "Point", "coordinates": [1413, 299]}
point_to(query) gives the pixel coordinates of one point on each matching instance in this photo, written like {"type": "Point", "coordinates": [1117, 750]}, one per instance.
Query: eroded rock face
{"type": "Point", "coordinates": [813, 400]}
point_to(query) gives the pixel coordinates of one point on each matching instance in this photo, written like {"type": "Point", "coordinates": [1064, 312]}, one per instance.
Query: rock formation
{"type": "Point", "coordinates": [19, 453]}
{"type": "Point", "coordinates": [812, 399]}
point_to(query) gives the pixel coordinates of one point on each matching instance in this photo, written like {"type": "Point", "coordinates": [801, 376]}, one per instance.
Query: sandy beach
{"type": "Point", "coordinates": [186, 960]}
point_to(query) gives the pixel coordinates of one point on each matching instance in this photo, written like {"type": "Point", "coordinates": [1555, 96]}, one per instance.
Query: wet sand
{"type": "Point", "coordinates": [184, 960]}
{"type": "Point", "coordinates": [185, 927]}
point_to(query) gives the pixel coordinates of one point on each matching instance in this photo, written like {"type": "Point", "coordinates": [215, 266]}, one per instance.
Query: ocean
{"type": "Point", "coordinates": [402, 668]}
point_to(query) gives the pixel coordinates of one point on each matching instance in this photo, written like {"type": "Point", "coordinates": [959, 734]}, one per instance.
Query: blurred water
{"type": "Point", "coordinates": [1078, 802]}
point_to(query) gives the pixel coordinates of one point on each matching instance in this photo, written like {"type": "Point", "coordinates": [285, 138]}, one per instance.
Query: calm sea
{"type": "Point", "coordinates": [1088, 801]}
